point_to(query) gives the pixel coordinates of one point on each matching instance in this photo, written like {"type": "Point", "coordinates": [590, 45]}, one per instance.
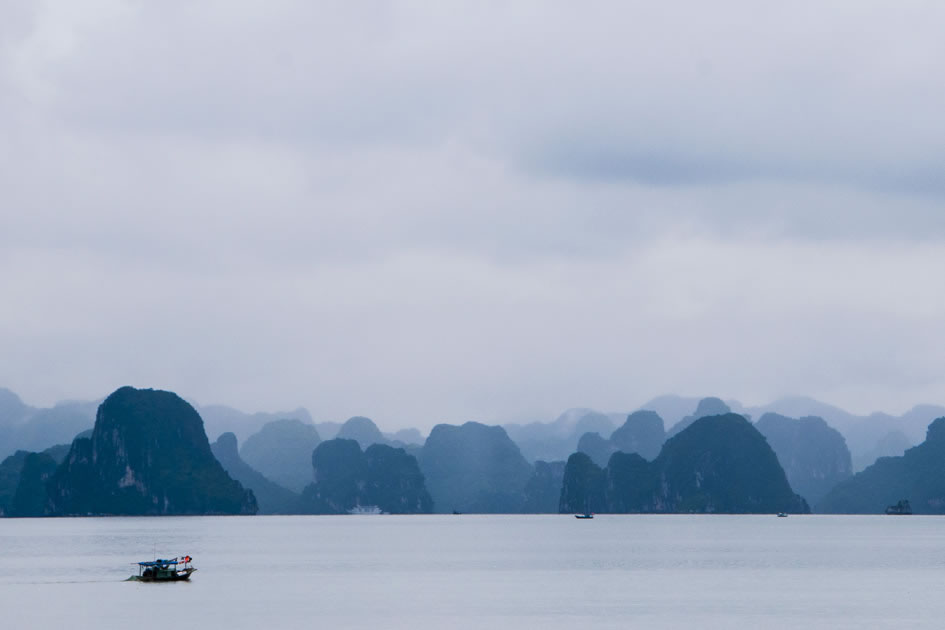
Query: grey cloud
{"type": "Point", "coordinates": [480, 210]}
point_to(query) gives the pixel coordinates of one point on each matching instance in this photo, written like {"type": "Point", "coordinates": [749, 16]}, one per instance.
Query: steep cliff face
{"type": "Point", "coordinates": [383, 476]}
{"type": "Point", "coordinates": [30, 498]}
{"type": "Point", "coordinates": [718, 464]}
{"type": "Point", "coordinates": [474, 468]}
{"type": "Point", "coordinates": [148, 455]}
{"type": "Point", "coordinates": [271, 497]}
{"type": "Point", "coordinates": [394, 482]}
{"type": "Point", "coordinates": [918, 476]}
{"type": "Point", "coordinates": [543, 490]}
{"type": "Point", "coordinates": [582, 489]}
{"type": "Point", "coordinates": [814, 456]}
{"type": "Point", "coordinates": [10, 469]}
{"type": "Point", "coordinates": [721, 464]}
{"type": "Point", "coordinates": [643, 433]}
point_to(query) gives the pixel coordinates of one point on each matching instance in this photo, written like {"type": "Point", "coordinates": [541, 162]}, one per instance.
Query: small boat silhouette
{"type": "Point", "coordinates": [161, 570]}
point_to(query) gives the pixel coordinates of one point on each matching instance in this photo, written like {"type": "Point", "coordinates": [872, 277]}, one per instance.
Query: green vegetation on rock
{"type": "Point", "coordinates": [148, 455]}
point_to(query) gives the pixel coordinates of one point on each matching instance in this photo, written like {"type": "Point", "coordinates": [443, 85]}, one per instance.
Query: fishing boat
{"type": "Point", "coordinates": [902, 508]}
{"type": "Point", "coordinates": [585, 515]}
{"type": "Point", "coordinates": [164, 570]}
{"type": "Point", "coordinates": [782, 514]}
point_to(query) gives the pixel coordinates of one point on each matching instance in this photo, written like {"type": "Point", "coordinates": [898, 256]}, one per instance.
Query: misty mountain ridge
{"type": "Point", "coordinates": [555, 440]}
{"type": "Point", "coordinates": [29, 428]}
{"type": "Point", "coordinates": [918, 475]}
{"type": "Point", "coordinates": [717, 464]}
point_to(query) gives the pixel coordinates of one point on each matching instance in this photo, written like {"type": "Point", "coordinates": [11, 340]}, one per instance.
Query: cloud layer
{"type": "Point", "coordinates": [478, 211]}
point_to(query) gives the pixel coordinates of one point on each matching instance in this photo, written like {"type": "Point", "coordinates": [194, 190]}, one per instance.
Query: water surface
{"type": "Point", "coordinates": [470, 571]}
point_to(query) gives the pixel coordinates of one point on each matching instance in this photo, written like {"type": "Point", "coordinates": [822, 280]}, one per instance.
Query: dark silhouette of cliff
{"type": "Point", "coordinates": [719, 464]}
{"type": "Point", "coordinates": [582, 488]}
{"type": "Point", "coordinates": [30, 498]}
{"type": "Point", "coordinates": [474, 468]}
{"type": "Point", "coordinates": [543, 490]}
{"type": "Point", "coordinates": [381, 476]}
{"type": "Point", "coordinates": [917, 476]}
{"type": "Point", "coordinates": [148, 455]}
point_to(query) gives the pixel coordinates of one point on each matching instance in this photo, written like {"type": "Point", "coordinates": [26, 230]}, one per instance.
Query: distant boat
{"type": "Point", "coordinates": [782, 514]}
{"type": "Point", "coordinates": [164, 570]}
{"type": "Point", "coordinates": [902, 508]}
{"type": "Point", "coordinates": [585, 515]}
{"type": "Point", "coordinates": [362, 510]}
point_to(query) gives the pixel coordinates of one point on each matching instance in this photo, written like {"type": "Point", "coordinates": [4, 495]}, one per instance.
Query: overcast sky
{"type": "Point", "coordinates": [427, 212]}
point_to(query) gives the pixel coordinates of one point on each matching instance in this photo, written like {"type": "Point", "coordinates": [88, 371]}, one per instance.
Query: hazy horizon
{"type": "Point", "coordinates": [486, 212]}
{"type": "Point", "coordinates": [387, 425]}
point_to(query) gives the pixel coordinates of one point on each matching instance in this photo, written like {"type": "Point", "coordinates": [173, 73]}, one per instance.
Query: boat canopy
{"type": "Point", "coordinates": [158, 563]}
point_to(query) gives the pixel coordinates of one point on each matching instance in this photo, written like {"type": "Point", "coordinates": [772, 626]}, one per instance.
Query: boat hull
{"type": "Point", "coordinates": [179, 576]}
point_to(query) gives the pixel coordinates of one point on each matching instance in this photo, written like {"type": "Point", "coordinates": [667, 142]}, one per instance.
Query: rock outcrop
{"type": "Point", "coordinates": [543, 490]}
{"type": "Point", "coordinates": [596, 447]}
{"type": "Point", "coordinates": [282, 452]}
{"type": "Point", "coordinates": [10, 469]}
{"type": "Point", "coordinates": [148, 455]}
{"type": "Point", "coordinates": [271, 497]}
{"type": "Point", "coordinates": [382, 476]}
{"type": "Point", "coordinates": [813, 455]}
{"type": "Point", "coordinates": [363, 431]}
{"type": "Point", "coordinates": [642, 433]}
{"type": "Point", "coordinates": [31, 498]}
{"type": "Point", "coordinates": [917, 476]}
{"type": "Point", "coordinates": [582, 488]}
{"type": "Point", "coordinates": [474, 468]}
{"type": "Point", "coordinates": [719, 464]}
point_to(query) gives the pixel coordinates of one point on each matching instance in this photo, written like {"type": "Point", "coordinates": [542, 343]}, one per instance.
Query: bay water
{"type": "Point", "coordinates": [471, 571]}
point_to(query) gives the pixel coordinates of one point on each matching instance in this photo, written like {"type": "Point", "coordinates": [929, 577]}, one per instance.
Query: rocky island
{"type": "Point", "coordinates": [148, 455]}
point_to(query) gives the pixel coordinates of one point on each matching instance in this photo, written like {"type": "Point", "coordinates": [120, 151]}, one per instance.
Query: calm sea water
{"type": "Point", "coordinates": [478, 572]}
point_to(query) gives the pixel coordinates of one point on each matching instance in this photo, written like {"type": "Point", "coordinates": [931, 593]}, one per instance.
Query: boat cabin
{"type": "Point", "coordinates": [161, 569]}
